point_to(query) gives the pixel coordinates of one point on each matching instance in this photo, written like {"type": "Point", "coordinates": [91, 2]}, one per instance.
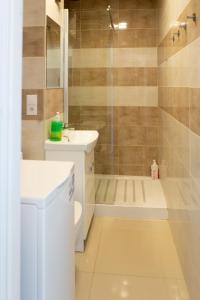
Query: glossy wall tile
{"type": "Point", "coordinates": [178, 98]}
{"type": "Point", "coordinates": [49, 101]}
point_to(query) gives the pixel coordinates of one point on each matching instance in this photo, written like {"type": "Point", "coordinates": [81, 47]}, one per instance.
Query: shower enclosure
{"type": "Point", "coordinates": [113, 89]}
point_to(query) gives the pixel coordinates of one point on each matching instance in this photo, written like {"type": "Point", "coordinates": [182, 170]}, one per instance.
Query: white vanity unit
{"type": "Point", "coordinates": [78, 147]}
{"type": "Point", "coordinates": [47, 231]}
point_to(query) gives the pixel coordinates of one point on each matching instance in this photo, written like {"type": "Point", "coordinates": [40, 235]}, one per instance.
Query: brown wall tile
{"type": "Point", "coordinates": [99, 38]}
{"type": "Point", "coordinates": [74, 39]}
{"type": "Point", "coordinates": [106, 168]}
{"type": "Point", "coordinates": [33, 41]}
{"type": "Point", "coordinates": [54, 101]}
{"type": "Point", "coordinates": [135, 76]}
{"type": "Point", "coordinates": [134, 38]}
{"type": "Point", "coordinates": [119, 127]}
{"type": "Point", "coordinates": [115, 76]}
{"type": "Point", "coordinates": [131, 170]}
{"type": "Point", "coordinates": [137, 4]}
{"type": "Point", "coordinates": [74, 115]}
{"type": "Point", "coordinates": [131, 155]}
{"type": "Point", "coordinates": [94, 77]}
{"type": "Point", "coordinates": [131, 136]}
{"type": "Point", "coordinates": [142, 18]}
{"type": "Point", "coordinates": [97, 19]}
{"type": "Point", "coordinates": [98, 4]}
{"type": "Point", "coordinates": [176, 101]}
{"type": "Point", "coordinates": [128, 135]}
{"type": "Point", "coordinates": [74, 19]}
{"type": "Point", "coordinates": [194, 116]}
{"type": "Point", "coordinates": [152, 136]}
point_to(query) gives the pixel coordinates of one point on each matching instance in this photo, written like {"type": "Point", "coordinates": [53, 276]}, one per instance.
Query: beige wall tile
{"type": "Point", "coordinates": [135, 57]}
{"type": "Point", "coordinates": [113, 96]}
{"type": "Point", "coordinates": [34, 13]}
{"type": "Point", "coordinates": [179, 156]}
{"type": "Point", "coordinates": [33, 140]}
{"type": "Point", "coordinates": [136, 96]}
{"type": "Point", "coordinates": [91, 58]}
{"type": "Point", "coordinates": [114, 57]}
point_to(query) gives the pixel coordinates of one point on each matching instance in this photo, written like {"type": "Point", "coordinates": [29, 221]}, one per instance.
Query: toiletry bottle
{"type": "Point", "coordinates": [56, 128]}
{"type": "Point", "coordinates": [154, 170]}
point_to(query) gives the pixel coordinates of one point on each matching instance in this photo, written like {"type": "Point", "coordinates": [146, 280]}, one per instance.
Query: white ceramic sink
{"type": "Point", "coordinates": [75, 140]}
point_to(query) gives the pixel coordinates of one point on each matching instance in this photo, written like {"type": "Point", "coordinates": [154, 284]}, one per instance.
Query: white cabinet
{"type": "Point", "coordinates": [84, 182]}
{"type": "Point", "coordinates": [47, 224]}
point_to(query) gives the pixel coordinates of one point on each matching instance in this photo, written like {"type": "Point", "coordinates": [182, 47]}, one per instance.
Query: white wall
{"type": "Point", "coordinates": [10, 132]}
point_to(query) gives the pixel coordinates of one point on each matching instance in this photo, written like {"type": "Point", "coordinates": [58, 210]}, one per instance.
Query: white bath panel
{"type": "Point", "coordinates": [130, 196]}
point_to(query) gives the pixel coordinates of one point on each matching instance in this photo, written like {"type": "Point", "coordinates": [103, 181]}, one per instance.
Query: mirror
{"type": "Point", "coordinates": [53, 64]}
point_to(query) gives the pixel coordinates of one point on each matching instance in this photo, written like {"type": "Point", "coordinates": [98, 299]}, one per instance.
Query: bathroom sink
{"type": "Point", "coordinates": [75, 140]}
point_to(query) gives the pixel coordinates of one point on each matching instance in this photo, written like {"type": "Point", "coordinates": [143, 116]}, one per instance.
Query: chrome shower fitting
{"type": "Point", "coordinates": [176, 34]}
{"type": "Point", "coordinates": [193, 17]}
{"type": "Point", "coordinates": [110, 16]}
{"type": "Point", "coordinates": [173, 39]}
{"type": "Point", "coordinates": [183, 25]}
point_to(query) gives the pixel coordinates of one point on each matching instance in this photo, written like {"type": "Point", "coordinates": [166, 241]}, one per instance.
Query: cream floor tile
{"type": "Point", "coordinates": [83, 285]}
{"type": "Point", "coordinates": [137, 248]}
{"type": "Point", "coordinates": [115, 287]}
{"type": "Point", "coordinates": [155, 226]}
{"type": "Point", "coordinates": [85, 261]}
{"type": "Point", "coordinates": [170, 261]}
{"type": "Point", "coordinates": [177, 289]}
{"type": "Point", "coordinates": [124, 251]}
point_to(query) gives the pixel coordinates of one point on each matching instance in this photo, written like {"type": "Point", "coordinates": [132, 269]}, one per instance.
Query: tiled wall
{"type": "Point", "coordinates": [113, 82]}
{"type": "Point", "coordinates": [34, 128]}
{"type": "Point", "coordinates": [179, 100]}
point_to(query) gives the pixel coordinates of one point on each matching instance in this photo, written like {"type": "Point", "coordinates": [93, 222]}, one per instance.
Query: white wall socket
{"type": "Point", "coordinates": [31, 105]}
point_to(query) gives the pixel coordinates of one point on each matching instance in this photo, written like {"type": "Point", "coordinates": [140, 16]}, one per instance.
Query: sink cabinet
{"type": "Point", "coordinates": [84, 183]}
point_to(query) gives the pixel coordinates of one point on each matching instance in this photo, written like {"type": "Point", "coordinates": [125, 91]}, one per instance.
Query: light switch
{"type": "Point", "coordinates": [31, 105]}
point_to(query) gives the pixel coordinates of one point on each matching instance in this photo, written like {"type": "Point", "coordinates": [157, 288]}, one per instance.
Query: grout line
{"type": "Point", "coordinates": [98, 187]}
{"type": "Point", "coordinates": [106, 190]}
{"type": "Point", "coordinates": [143, 191]}
{"type": "Point", "coordinates": [125, 191]}
{"type": "Point", "coordinates": [115, 191]}
{"type": "Point", "coordinates": [182, 196]}
{"type": "Point", "coordinates": [140, 276]}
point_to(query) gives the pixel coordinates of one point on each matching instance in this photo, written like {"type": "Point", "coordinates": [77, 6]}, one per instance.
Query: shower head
{"type": "Point", "coordinates": [108, 8]}
{"type": "Point", "coordinates": [111, 18]}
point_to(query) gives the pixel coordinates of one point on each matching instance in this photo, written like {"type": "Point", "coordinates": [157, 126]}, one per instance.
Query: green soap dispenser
{"type": "Point", "coordinates": [56, 128]}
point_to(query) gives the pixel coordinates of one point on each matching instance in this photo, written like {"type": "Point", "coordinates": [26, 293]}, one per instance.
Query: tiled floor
{"type": "Point", "coordinates": [126, 259]}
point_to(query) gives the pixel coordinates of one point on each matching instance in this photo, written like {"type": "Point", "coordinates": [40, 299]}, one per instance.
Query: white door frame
{"type": "Point", "coordinates": [10, 132]}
